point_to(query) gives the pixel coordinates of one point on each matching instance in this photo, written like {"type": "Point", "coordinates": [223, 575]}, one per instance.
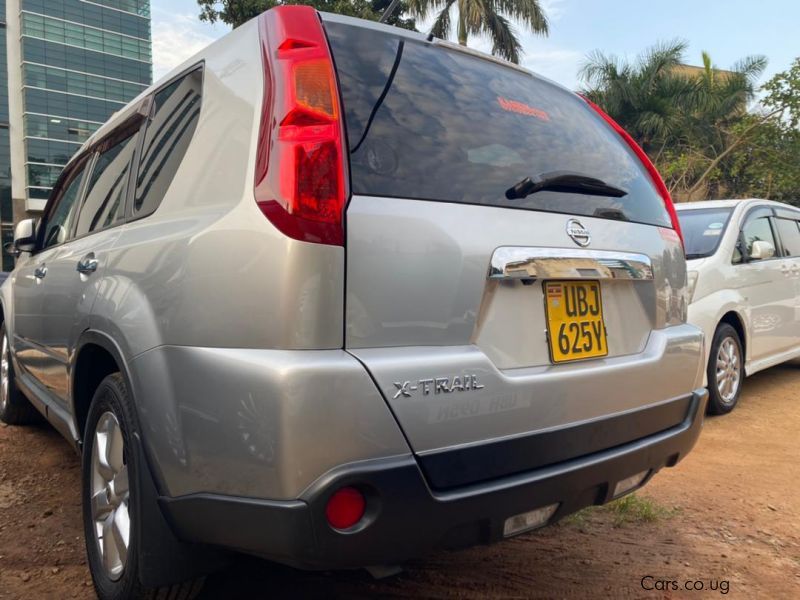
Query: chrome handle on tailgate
{"type": "Point", "coordinates": [515, 262]}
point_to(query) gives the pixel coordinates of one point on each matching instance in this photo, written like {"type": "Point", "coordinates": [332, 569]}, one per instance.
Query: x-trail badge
{"type": "Point", "coordinates": [579, 234]}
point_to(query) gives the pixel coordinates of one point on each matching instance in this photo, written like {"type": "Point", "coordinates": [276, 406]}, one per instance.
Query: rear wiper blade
{"type": "Point", "coordinates": [564, 181]}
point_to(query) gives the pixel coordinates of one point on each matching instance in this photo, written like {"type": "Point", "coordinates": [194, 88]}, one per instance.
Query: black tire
{"type": "Point", "coordinates": [723, 401]}
{"type": "Point", "coordinates": [112, 397]}
{"type": "Point", "coordinates": [15, 408]}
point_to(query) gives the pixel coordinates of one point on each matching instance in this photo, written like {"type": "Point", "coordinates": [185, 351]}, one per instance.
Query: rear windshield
{"type": "Point", "coordinates": [703, 229]}
{"type": "Point", "coordinates": [428, 122]}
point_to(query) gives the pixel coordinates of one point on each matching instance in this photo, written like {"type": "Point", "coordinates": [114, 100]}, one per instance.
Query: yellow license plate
{"type": "Point", "coordinates": [575, 325]}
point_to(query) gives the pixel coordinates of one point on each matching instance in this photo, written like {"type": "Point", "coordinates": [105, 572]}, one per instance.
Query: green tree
{"type": "Point", "coordinates": [485, 17]}
{"type": "Point", "coordinates": [783, 94]}
{"type": "Point", "coordinates": [689, 120]}
{"type": "Point", "coordinates": [236, 12]}
{"type": "Point", "coordinates": [765, 164]}
{"type": "Point", "coordinates": [647, 96]}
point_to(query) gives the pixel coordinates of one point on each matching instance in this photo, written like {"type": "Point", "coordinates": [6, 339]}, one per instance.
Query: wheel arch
{"type": "Point", "coordinates": [735, 320]}
{"type": "Point", "coordinates": [96, 356]}
{"type": "Point", "coordinates": [164, 560]}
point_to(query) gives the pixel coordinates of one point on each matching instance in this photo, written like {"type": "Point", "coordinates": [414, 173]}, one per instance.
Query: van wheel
{"type": "Point", "coordinates": [110, 498]}
{"type": "Point", "coordinates": [15, 409]}
{"type": "Point", "coordinates": [725, 370]}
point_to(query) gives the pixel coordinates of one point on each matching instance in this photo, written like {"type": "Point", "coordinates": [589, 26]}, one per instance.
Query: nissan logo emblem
{"type": "Point", "coordinates": [579, 234]}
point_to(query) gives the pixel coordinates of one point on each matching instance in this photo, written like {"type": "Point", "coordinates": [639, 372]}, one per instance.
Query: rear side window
{"type": "Point", "coordinates": [790, 236]}
{"type": "Point", "coordinates": [167, 137]}
{"type": "Point", "coordinates": [428, 122]}
{"type": "Point", "coordinates": [105, 193]}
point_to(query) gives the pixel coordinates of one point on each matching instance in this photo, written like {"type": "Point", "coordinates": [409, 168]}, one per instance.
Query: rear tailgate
{"type": "Point", "coordinates": [487, 319]}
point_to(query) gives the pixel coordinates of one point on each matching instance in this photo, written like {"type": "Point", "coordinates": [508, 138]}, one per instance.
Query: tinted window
{"type": "Point", "coordinates": [177, 108]}
{"type": "Point", "coordinates": [458, 128]}
{"type": "Point", "coordinates": [703, 229]}
{"type": "Point", "coordinates": [790, 236]}
{"type": "Point", "coordinates": [105, 193]}
{"type": "Point", "coordinates": [60, 219]}
{"type": "Point", "coordinates": [757, 230]}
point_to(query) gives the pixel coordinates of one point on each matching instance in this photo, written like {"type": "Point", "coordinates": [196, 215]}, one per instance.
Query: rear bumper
{"type": "Point", "coordinates": [405, 518]}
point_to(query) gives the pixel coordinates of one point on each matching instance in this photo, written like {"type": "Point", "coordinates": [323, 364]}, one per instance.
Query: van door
{"type": "Point", "coordinates": [787, 224]}
{"type": "Point", "coordinates": [769, 286]}
{"type": "Point", "coordinates": [35, 289]}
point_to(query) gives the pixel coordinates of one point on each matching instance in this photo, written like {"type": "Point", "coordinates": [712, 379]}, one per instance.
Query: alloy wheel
{"type": "Point", "coordinates": [4, 375]}
{"type": "Point", "coordinates": [728, 370]}
{"type": "Point", "coordinates": [110, 495]}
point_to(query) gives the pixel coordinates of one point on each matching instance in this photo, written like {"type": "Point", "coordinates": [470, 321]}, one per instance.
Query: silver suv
{"type": "Point", "coordinates": [338, 294]}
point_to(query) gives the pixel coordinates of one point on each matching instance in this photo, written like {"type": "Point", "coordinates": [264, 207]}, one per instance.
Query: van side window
{"type": "Point", "coordinates": [105, 192]}
{"type": "Point", "coordinates": [59, 222]}
{"type": "Point", "coordinates": [757, 230]}
{"type": "Point", "coordinates": [168, 134]}
{"type": "Point", "coordinates": [790, 236]}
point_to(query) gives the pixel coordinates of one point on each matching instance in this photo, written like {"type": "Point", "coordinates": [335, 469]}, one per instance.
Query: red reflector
{"type": "Point", "coordinates": [317, 180]}
{"type": "Point", "coordinates": [648, 165]}
{"type": "Point", "coordinates": [345, 508]}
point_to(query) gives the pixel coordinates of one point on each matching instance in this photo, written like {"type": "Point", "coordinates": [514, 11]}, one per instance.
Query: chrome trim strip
{"type": "Point", "coordinates": [515, 262]}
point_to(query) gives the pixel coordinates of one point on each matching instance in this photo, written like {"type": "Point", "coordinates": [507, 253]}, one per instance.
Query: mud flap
{"type": "Point", "coordinates": [164, 559]}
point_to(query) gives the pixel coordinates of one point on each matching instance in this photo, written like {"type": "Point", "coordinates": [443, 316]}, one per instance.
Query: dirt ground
{"type": "Point", "coordinates": [727, 518]}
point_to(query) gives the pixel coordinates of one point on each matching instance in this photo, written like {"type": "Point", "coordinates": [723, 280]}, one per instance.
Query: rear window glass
{"type": "Point", "coordinates": [703, 229]}
{"type": "Point", "coordinates": [428, 122]}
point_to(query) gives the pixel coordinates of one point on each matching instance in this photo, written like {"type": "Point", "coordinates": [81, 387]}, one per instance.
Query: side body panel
{"type": "Point", "coordinates": [257, 423]}
{"type": "Point", "coordinates": [193, 295]}
{"type": "Point", "coordinates": [23, 312]}
{"type": "Point", "coordinates": [67, 299]}
{"type": "Point", "coordinates": [207, 268]}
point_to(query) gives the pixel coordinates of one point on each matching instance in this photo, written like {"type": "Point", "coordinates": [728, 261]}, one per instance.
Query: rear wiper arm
{"type": "Point", "coordinates": [564, 181]}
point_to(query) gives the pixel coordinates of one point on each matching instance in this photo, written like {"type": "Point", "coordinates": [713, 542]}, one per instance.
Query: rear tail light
{"type": "Point", "coordinates": [300, 180]}
{"type": "Point", "coordinates": [345, 508]}
{"type": "Point", "coordinates": [648, 164]}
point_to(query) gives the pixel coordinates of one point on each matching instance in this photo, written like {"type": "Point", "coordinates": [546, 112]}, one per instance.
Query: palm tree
{"type": "Point", "coordinates": [489, 17]}
{"type": "Point", "coordinates": [685, 115]}
{"type": "Point", "coordinates": [648, 97]}
{"type": "Point", "coordinates": [720, 97]}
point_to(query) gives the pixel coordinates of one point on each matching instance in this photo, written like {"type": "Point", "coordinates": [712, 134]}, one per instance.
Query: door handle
{"type": "Point", "coordinates": [88, 264]}
{"type": "Point", "coordinates": [40, 271]}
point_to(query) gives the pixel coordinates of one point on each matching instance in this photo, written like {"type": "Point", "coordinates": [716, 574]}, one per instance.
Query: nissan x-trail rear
{"type": "Point", "coordinates": [336, 294]}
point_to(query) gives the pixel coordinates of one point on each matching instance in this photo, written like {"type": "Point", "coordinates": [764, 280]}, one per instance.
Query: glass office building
{"type": "Point", "coordinates": [6, 206]}
{"type": "Point", "coordinates": [70, 65]}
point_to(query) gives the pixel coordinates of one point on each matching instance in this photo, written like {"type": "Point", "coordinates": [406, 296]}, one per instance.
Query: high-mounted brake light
{"type": "Point", "coordinates": [300, 167]}
{"type": "Point", "coordinates": [648, 165]}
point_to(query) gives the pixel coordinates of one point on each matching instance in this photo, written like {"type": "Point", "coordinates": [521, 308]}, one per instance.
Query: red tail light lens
{"type": "Point", "coordinates": [345, 508]}
{"type": "Point", "coordinates": [648, 164]}
{"type": "Point", "coordinates": [300, 171]}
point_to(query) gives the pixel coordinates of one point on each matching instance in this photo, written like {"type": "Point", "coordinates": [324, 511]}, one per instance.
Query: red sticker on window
{"type": "Point", "coordinates": [522, 108]}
